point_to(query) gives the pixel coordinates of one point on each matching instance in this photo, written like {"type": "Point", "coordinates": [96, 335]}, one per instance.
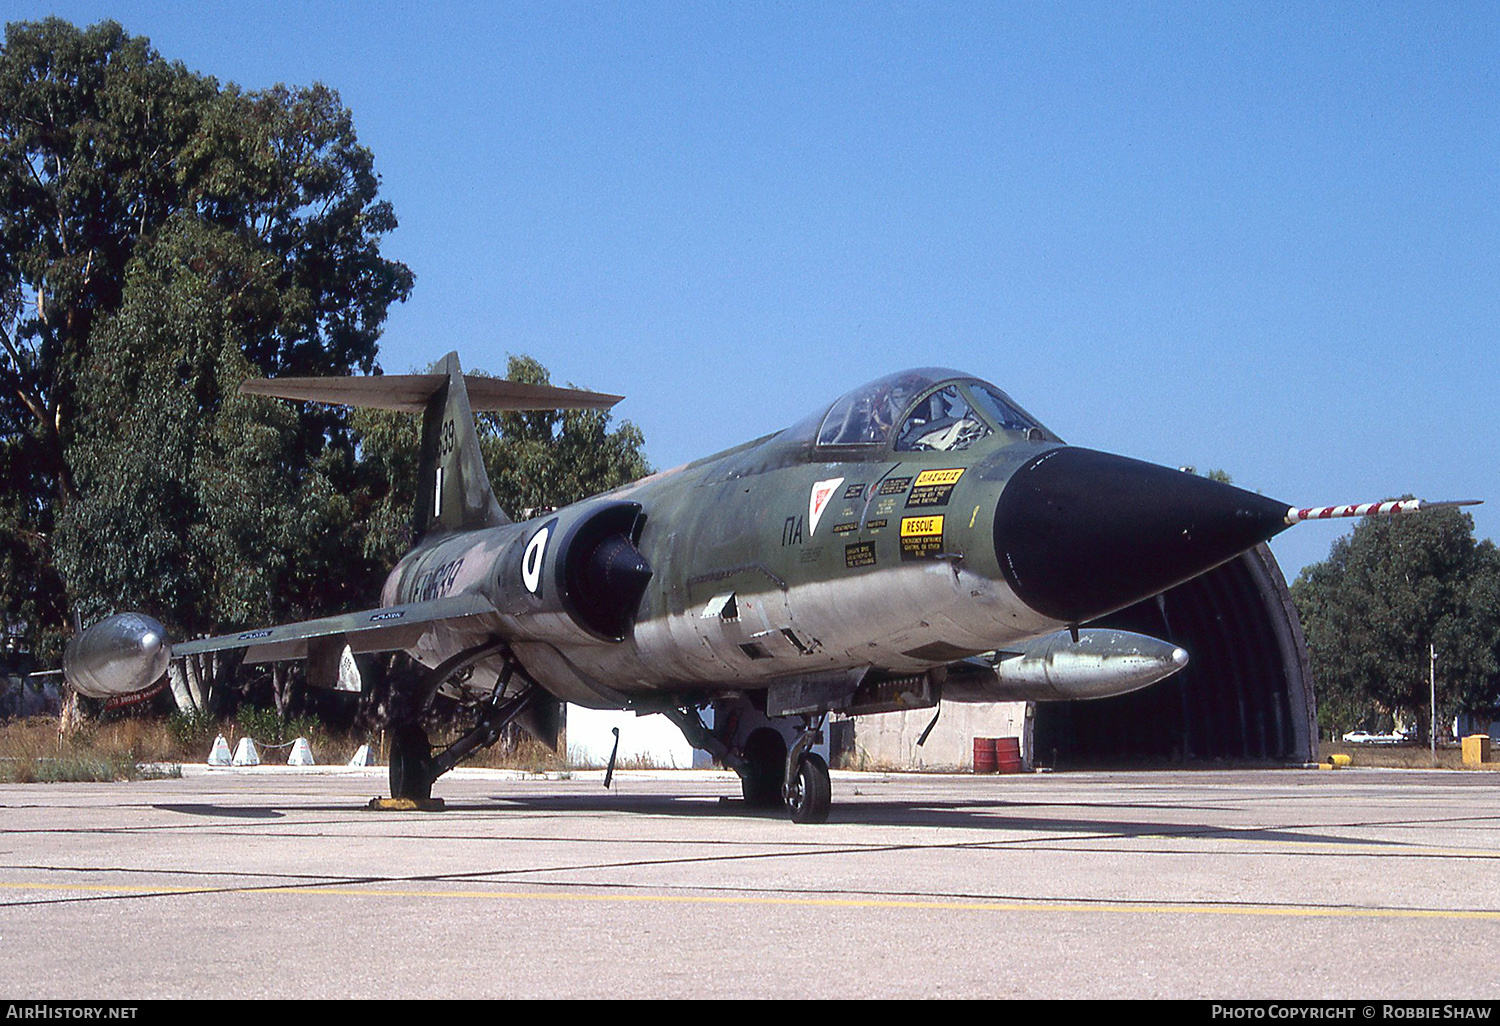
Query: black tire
{"type": "Point", "coordinates": [765, 751]}
{"type": "Point", "coordinates": [812, 793]}
{"type": "Point", "coordinates": [411, 764]}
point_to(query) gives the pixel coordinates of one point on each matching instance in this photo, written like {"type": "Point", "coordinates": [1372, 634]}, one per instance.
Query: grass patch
{"type": "Point", "coordinates": [131, 749]}
{"type": "Point", "coordinates": [147, 747]}
{"type": "Point", "coordinates": [634, 761]}
{"type": "Point", "coordinates": [520, 752]}
{"type": "Point", "coordinates": [31, 751]}
{"type": "Point", "coordinates": [1402, 756]}
{"type": "Point", "coordinates": [861, 761]}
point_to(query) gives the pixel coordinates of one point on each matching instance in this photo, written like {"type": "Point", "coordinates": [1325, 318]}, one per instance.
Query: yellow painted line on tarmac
{"type": "Point", "coordinates": [1297, 911]}
{"type": "Point", "coordinates": [112, 888]}
{"type": "Point", "coordinates": [1406, 849]}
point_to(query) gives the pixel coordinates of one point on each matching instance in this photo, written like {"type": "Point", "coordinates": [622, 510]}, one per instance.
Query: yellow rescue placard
{"type": "Point", "coordinates": [915, 527]}
{"type": "Point", "coordinates": [921, 537]}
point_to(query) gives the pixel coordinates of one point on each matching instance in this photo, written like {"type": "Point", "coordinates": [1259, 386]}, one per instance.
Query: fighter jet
{"type": "Point", "coordinates": [922, 537]}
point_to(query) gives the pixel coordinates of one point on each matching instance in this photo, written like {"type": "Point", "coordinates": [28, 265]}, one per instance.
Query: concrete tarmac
{"type": "Point", "coordinates": [1361, 884]}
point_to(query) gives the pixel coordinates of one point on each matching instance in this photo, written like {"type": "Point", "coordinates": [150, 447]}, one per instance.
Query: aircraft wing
{"type": "Point", "coordinates": [369, 630]}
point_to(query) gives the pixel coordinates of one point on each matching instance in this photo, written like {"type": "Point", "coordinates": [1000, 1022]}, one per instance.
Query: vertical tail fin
{"type": "Point", "coordinates": [455, 492]}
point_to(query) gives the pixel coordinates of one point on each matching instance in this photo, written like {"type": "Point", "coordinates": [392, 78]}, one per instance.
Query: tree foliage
{"type": "Point", "coordinates": [194, 500]}
{"type": "Point", "coordinates": [161, 238]}
{"type": "Point", "coordinates": [1387, 592]}
{"type": "Point", "coordinates": [550, 458]}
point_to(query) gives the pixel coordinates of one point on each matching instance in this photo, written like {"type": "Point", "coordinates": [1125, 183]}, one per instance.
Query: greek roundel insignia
{"type": "Point", "coordinates": [534, 558]}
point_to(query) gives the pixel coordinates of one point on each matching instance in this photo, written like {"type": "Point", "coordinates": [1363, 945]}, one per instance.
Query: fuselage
{"type": "Point", "coordinates": [914, 523]}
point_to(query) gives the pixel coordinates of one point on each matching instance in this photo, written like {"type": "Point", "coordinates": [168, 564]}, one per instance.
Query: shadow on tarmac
{"type": "Point", "coordinates": [231, 811]}
{"type": "Point", "coordinates": [962, 813]}
{"type": "Point", "coordinates": [1062, 819]}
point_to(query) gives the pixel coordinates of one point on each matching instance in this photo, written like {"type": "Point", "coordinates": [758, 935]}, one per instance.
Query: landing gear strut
{"type": "Point", "coordinates": [413, 765]}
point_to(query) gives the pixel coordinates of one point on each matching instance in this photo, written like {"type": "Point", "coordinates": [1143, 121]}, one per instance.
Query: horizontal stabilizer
{"type": "Point", "coordinates": [410, 392]}
{"type": "Point", "coordinates": [370, 630]}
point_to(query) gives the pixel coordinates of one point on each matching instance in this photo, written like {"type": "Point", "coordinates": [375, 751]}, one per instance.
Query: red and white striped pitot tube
{"type": "Point", "coordinates": [1371, 509]}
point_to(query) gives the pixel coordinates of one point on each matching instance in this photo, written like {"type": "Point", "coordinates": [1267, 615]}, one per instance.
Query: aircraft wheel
{"type": "Point", "coordinates": [811, 791]}
{"type": "Point", "coordinates": [765, 751]}
{"type": "Point", "coordinates": [411, 764]}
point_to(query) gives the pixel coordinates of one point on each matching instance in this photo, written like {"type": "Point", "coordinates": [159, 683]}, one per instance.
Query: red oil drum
{"type": "Point", "coordinates": [1008, 754]}
{"type": "Point", "coordinates": [984, 755]}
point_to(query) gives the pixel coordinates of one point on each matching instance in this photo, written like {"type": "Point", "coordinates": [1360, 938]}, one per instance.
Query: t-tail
{"type": "Point", "coordinates": [458, 495]}
{"type": "Point", "coordinates": [454, 490]}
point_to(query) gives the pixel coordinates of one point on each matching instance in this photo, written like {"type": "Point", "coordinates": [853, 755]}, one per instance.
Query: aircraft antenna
{"type": "Point", "coordinates": [1391, 507]}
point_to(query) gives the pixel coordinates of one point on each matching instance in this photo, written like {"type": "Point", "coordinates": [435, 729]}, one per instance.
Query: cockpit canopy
{"type": "Point", "coordinates": [932, 409]}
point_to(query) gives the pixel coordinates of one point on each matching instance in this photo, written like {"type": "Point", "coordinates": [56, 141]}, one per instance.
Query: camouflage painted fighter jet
{"type": "Point", "coordinates": [922, 537]}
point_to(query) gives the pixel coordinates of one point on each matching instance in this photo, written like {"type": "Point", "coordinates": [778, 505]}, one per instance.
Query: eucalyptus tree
{"type": "Point", "coordinates": [161, 236]}
{"type": "Point", "coordinates": [1388, 595]}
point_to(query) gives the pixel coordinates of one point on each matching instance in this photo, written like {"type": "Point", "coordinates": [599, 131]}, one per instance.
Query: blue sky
{"type": "Point", "coordinates": [1260, 237]}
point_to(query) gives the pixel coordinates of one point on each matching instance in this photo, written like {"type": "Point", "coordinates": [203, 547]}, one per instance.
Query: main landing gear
{"type": "Point", "coordinates": [413, 765]}
{"type": "Point", "coordinates": [771, 774]}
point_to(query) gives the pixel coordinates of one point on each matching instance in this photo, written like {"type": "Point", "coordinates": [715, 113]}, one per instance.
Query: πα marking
{"type": "Point", "coordinates": [791, 531]}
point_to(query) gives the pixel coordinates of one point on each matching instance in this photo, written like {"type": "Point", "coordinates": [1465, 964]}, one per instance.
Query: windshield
{"type": "Point", "coordinates": [866, 415]}
{"type": "Point", "coordinates": [954, 411]}
{"type": "Point", "coordinates": [941, 422]}
{"type": "Point", "coordinates": [1006, 415]}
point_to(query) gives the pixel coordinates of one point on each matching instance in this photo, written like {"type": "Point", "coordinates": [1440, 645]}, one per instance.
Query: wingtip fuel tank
{"type": "Point", "coordinates": [119, 655]}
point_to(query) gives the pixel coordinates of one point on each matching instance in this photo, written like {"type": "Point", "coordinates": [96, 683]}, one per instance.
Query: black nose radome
{"type": "Point", "coordinates": [1081, 533]}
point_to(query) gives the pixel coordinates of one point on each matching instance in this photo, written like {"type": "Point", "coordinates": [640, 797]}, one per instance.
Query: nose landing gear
{"type": "Point", "coordinates": [771, 773]}
{"type": "Point", "coordinates": [809, 794]}
{"type": "Point", "coordinates": [806, 788]}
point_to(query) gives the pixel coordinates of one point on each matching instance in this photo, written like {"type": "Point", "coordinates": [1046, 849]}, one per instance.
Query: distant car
{"type": "Point", "coordinates": [1364, 737]}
